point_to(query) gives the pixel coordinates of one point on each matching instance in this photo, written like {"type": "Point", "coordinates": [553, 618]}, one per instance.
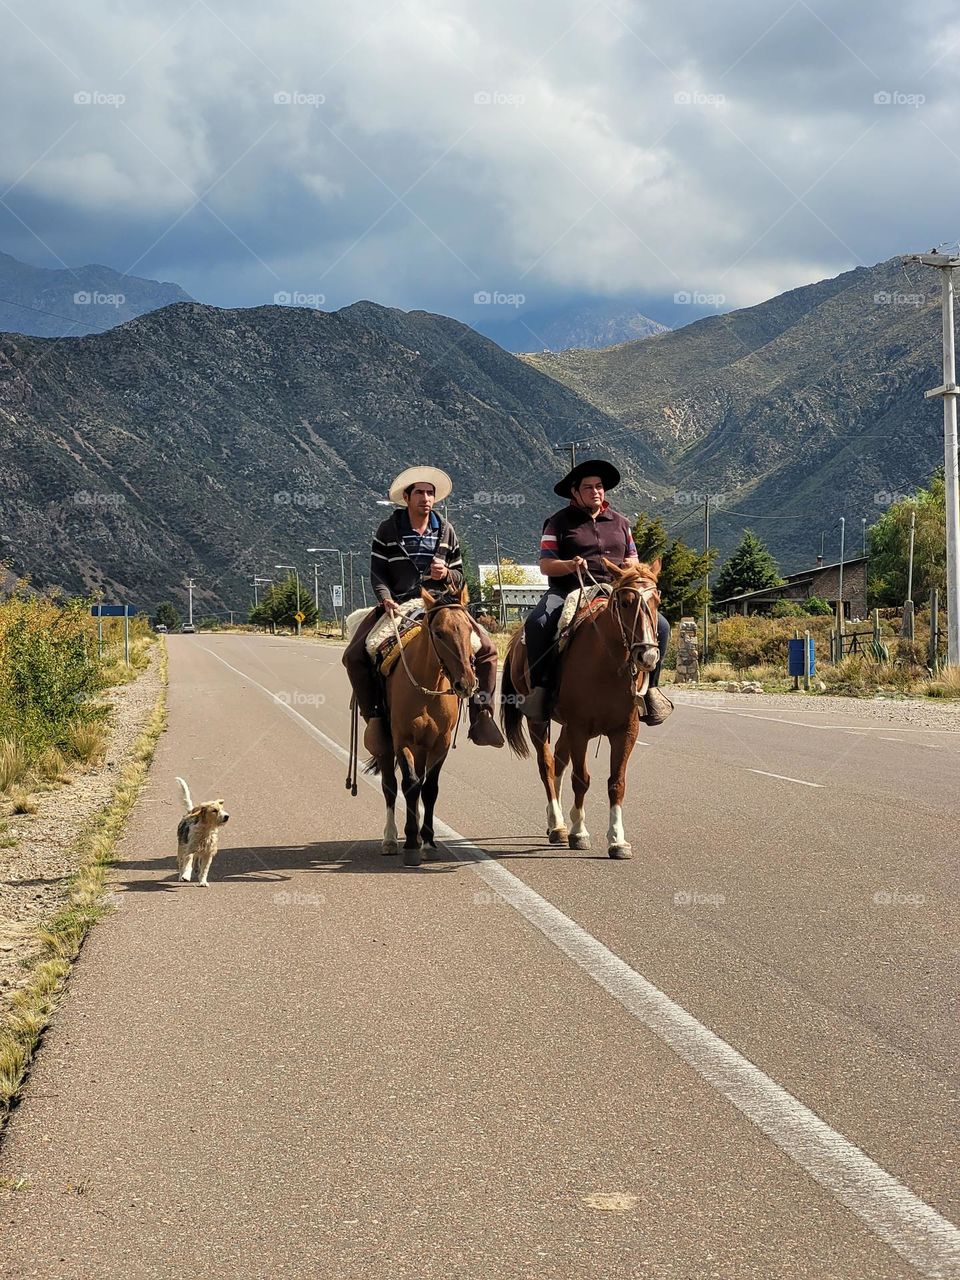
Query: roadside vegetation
{"type": "Point", "coordinates": [52, 715]}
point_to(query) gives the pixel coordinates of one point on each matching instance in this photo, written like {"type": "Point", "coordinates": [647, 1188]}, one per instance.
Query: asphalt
{"type": "Point", "coordinates": [329, 1065]}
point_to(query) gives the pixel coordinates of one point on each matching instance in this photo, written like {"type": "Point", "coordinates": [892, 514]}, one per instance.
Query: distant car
{"type": "Point", "coordinates": [160, 629]}
{"type": "Point", "coordinates": [188, 629]}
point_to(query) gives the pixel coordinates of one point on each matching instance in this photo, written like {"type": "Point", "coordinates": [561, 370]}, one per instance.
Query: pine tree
{"type": "Point", "coordinates": [749, 568]}
{"type": "Point", "coordinates": [682, 570]}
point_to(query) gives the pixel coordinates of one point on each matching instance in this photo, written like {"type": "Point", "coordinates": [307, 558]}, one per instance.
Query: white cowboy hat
{"type": "Point", "coordinates": [442, 484]}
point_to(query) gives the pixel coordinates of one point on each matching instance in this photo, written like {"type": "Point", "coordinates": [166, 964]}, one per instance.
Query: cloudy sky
{"type": "Point", "coordinates": [420, 152]}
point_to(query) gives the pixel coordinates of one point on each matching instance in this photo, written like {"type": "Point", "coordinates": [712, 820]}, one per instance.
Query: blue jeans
{"type": "Point", "coordinates": [541, 631]}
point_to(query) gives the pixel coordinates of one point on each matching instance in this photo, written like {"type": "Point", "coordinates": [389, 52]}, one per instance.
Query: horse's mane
{"type": "Point", "coordinates": [641, 572]}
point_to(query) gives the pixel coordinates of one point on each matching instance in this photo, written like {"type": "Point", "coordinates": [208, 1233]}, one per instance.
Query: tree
{"type": "Point", "coordinates": [682, 570]}
{"type": "Point", "coordinates": [278, 606]}
{"type": "Point", "coordinates": [890, 546]}
{"type": "Point", "coordinates": [749, 568]}
{"type": "Point", "coordinates": [167, 615]}
{"type": "Point", "coordinates": [511, 574]}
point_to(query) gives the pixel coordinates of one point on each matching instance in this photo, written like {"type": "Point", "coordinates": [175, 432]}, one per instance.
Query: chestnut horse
{"type": "Point", "coordinates": [424, 689]}
{"type": "Point", "coordinates": [603, 675]}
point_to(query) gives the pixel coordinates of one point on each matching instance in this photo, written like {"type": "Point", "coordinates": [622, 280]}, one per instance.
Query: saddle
{"type": "Point", "coordinates": [592, 600]}
{"type": "Point", "coordinates": [381, 643]}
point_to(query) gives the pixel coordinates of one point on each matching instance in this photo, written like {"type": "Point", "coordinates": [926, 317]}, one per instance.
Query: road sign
{"type": "Point", "coordinates": [337, 593]}
{"type": "Point", "coordinates": [112, 610]}
{"type": "Point", "coordinates": [299, 616]}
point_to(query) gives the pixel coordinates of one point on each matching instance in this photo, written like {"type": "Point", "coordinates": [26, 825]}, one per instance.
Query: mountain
{"type": "Point", "coordinates": [220, 443]}
{"type": "Point", "coordinates": [75, 301]}
{"type": "Point", "coordinates": [594, 324]}
{"type": "Point", "coordinates": [794, 413]}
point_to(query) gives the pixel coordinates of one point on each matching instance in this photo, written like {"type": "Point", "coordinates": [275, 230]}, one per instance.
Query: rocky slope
{"type": "Point", "coordinates": [797, 411]}
{"type": "Point", "coordinates": [219, 443]}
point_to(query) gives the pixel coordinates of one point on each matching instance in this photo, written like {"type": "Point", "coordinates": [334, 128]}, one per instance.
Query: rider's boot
{"type": "Point", "coordinates": [483, 728]}
{"type": "Point", "coordinates": [659, 706]}
{"type": "Point", "coordinates": [536, 705]}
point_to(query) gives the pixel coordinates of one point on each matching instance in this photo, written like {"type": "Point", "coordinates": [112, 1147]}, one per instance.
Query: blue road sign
{"type": "Point", "coordinates": [112, 610]}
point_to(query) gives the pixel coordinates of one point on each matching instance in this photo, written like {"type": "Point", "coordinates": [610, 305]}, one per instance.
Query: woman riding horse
{"type": "Point", "coordinates": [576, 540]}
{"type": "Point", "coordinates": [611, 665]}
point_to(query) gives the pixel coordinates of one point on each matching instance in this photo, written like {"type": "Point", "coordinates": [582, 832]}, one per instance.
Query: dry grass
{"type": "Point", "coordinates": [115, 671]}
{"type": "Point", "coordinates": [714, 671]}
{"type": "Point", "coordinates": [60, 940]}
{"type": "Point", "coordinates": [52, 765]}
{"type": "Point", "coordinates": [21, 800]}
{"type": "Point", "coordinates": [86, 740]}
{"type": "Point", "coordinates": [13, 763]}
{"type": "Point", "coordinates": [945, 685]}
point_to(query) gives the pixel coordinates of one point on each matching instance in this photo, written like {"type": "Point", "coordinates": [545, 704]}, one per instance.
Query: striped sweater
{"type": "Point", "coordinates": [394, 575]}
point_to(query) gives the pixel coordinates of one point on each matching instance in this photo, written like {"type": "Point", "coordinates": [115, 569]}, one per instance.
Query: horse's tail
{"type": "Point", "coordinates": [511, 717]}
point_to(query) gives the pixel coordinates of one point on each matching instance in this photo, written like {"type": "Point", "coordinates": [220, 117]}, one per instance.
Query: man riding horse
{"type": "Point", "coordinates": [579, 537]}
{"type": "Point", "coordinates": [415, 547]}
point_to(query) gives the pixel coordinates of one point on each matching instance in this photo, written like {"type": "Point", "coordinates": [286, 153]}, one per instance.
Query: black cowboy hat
{"type": "Point", "coordinates": [607, 472]}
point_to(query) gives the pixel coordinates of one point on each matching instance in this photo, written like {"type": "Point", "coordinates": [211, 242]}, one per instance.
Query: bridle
{"type": "Point", "coordinates": [435, 608]}
{"type": "Point", "coordinates": [642, 615]}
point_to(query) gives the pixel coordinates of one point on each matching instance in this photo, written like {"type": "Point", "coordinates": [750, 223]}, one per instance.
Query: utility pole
{"type": "Point", "coordinates": [503, 611]}
{"type": "Point", "coordinates": [571, 447]}
{"type": "Point", "coordinates": [948, 391]}
{"type": "Point", "coordinates": [823, 537]}
{"type": "Point", "coordinates": [906, 627]}
{"type": "Point", "coordinates": [706, 577]}
{"type": "Point", "coordinates": [190, 585]}
{"type": "Point", "coordinates": [350, 554]}
{"type": "Point", "coordinates": [863, 536]}
{"type": "Point", "coordinates": [843, 527]}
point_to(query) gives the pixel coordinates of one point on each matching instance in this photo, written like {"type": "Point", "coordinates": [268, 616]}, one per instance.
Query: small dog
{"type": "Point", "coordinates": [198, 835]}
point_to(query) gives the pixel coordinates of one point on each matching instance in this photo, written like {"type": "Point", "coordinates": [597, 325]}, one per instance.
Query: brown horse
{"type": "Point", "coordinates": [604, 672]}
{"type": "Point", "coordinates": [424, 690]}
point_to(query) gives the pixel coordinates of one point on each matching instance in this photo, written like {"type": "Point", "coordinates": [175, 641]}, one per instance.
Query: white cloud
{"type": "Point", "coordinates": [426, 152]}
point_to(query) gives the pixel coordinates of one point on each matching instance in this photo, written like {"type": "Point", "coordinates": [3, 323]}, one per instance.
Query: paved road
{"type": "Point", "coordinates": [327, 1065]}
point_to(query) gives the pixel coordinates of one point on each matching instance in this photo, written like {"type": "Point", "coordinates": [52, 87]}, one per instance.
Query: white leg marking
{"type": "Point", "coordinates": [615, 834]}
{"type": "Point", "coordinates": [390, 832]}
{"type": "Point", "coordinates": [579, 827]}
{"type": "Point", "coordinates": [187, 871]}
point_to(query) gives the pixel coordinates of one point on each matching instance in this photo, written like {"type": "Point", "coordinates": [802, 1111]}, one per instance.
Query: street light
{"type": "Point", "coordinates": [337, 552]}
{"type": "Point", "coordinates": [297, 576]}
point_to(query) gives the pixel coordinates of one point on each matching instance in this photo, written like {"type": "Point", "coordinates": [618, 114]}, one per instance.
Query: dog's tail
{"type": "Point", "coordinates": [185, 793]}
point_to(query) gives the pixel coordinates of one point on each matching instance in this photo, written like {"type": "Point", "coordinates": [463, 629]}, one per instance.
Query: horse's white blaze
{"type": "Point", "coordinates": [615, 834]}
{"type": "Point", "coordinates": [579, 827]}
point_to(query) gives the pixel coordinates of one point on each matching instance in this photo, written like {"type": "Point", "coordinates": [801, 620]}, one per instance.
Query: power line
{"type": "Point", "coordinates": [53, 315]}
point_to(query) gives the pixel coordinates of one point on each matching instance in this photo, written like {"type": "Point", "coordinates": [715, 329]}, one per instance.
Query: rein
{"type": "Point", "coordinates": [435, 693]}
{"type": "Point", "coordinates": [643, 595]}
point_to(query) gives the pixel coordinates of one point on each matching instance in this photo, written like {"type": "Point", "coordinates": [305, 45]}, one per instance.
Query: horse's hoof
{"type": "Point", "coordinates": [620, 851]}
{"type": "Point", "coordinates": [579, 842]}
{"type": "Point", "coordinates": [412, 857]}
{"type": "Point", "coordinates": [558, 835]}
{"type": "Point", "coordinates": [390, 847]}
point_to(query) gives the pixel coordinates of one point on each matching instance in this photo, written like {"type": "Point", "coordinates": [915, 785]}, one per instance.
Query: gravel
{"type": "Point", "coordinates": [916, 713]}
{"type": "Point", "coordinates": [35, 872]}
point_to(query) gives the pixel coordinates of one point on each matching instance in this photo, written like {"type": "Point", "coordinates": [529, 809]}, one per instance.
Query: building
{"type": "Point", "coordinates": [517, 598]}
{"type": "Point", "coordinates": [823, 580]}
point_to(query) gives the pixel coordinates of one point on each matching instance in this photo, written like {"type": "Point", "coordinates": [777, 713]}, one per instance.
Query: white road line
{"type": "Point", "coordinates": [914, 1229]}
{"type": "Point", "coordinates": [783, 778]}
{"type": "Point", "coordinates": [805, 724]}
